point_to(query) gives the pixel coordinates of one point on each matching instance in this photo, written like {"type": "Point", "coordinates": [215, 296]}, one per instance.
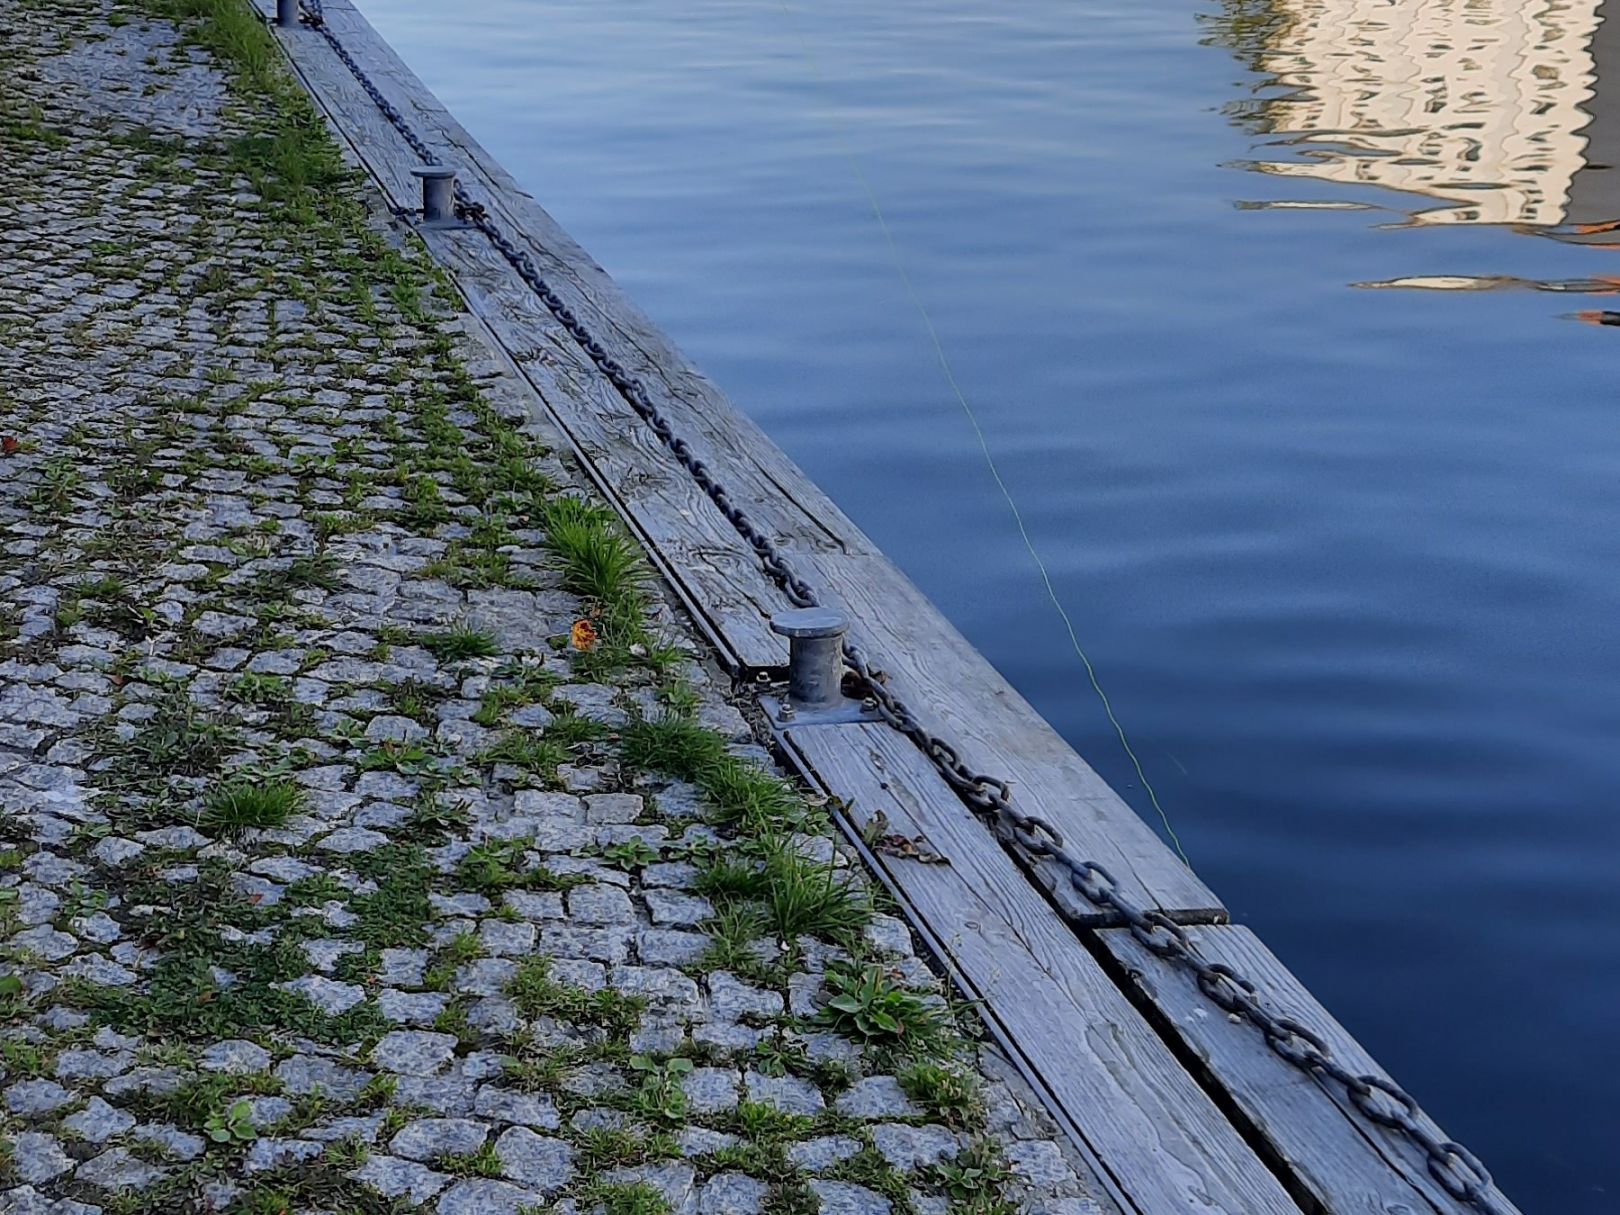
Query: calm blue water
{"type": "Point", "coordinates": [1348, 560]}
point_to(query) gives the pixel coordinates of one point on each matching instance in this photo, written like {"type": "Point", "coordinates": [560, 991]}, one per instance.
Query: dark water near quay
{"type": "Point", "coordinates": [1268, 309]}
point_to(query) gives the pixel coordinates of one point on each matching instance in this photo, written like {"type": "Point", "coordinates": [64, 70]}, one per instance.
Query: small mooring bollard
{"type": "Point", "coordinates": [287, 13]}
{"type": "Point", "coordinates": [438, 195]}
{"type": "Point", "coordinates": [815, 658]}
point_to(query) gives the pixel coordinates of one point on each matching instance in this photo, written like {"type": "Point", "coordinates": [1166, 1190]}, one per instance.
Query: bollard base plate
{"type": "Point", "coordinates": [846, 712]}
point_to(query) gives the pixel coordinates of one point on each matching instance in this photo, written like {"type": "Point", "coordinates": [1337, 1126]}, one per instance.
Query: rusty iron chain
{"type": "Point", "coordinates": [1456, 1169]}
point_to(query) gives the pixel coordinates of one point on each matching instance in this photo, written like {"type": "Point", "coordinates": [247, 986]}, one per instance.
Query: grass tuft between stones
{"type": "Point", "coordinates": [239, 805]}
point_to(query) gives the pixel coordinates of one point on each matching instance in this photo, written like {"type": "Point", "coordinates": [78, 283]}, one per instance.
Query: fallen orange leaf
{"type": "Point", "coordinates": [583, 635]}
{"type": "Point", "coordinates": [10, 445]}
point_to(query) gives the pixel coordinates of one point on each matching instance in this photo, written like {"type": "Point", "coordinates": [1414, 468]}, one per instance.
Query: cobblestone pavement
{"type": "Point", "coordinates": [373, 836]}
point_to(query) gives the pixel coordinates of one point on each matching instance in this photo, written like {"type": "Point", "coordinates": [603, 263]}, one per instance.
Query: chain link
{"type": "Point", "coordinates": [1457, 1170]}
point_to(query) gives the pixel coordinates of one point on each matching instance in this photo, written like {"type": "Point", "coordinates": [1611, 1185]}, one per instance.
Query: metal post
{"type": "Point", "coordinates": [286, 13]}
{"type": "Point", "coordinates": [438, 195]}
{"type": "Point", "coordinates": [815, 656]}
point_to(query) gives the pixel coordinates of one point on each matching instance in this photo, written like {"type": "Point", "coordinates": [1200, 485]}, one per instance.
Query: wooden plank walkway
{"type": "Point", "coordinates": [1181, 1110]}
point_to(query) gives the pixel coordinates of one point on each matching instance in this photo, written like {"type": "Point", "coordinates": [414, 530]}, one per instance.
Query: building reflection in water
{"type": "Point", "coordinates": [1489, 109]}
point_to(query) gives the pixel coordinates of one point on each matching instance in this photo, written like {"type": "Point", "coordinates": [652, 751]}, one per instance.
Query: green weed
{"type": "Point", "coordinates": [180, 739]}
{"type": "Point", "coordinates": [481, 1163]}
{"type": "Point", "coordinates": [946, 1092]}
{"type": "Point", "coordinates": [240, 805]}
{"type": "Point", "coordinates": [661, 1096]}
{"type": "Point", "coordinates": [461, 949]}
{"type": "Point", "coordinates": [618, 1198]}
{"type": "Point", "coordinates": [540, 756]}
{"type": "Point", "coordinates": [526, 688]}
{"type": "Point", "coordinates": [535, 1067]}
{"type": "Point", "coordinates": [255, 689]}
{"type": "Point", "coordinates": [493, 867]}
{"type": "Point", "coordinates": [537, 994]}
{"type": "Point", "coordinates": [807, 896]}
{"type": "Point", "coordinates": [233, 1124]}
{"type": "Point", "coordinates": [460, 642]}
{"type": "Point", "coordinates": [866, 1003]}
{"type": "Point", "coordinates": [633, 853]}
{"type": "Point", "coordinates": [396, 913]}
{"type": "Point", "coordinates": [974, 1180]}
{"type": "Point", "coordinates": [601, 1148]}
{"type": "Point", "coordinates": [734, 935]}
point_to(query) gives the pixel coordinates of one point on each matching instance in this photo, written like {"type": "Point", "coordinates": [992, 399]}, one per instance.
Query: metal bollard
{"type": "Point", "coordinates": [815, 656]}
{"type": "Point", "coordinates": [438, 195]}
{"type": "Point", "coordinates": [286, 13]}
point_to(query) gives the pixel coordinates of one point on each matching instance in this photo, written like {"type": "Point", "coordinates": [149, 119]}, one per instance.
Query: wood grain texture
{"type": "Point", "coordinates": [959, 693]}
{"type": "Point", "coordinates": [1164, 1142]}
{"type": "Point", "coordinates": [1349, 1164]}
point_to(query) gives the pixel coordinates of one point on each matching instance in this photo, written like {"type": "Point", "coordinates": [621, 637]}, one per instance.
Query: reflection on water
{"type": "Point", "coordinates": [1600, 285]}
{"type": "Point", "coordinates": [1491, 109]}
